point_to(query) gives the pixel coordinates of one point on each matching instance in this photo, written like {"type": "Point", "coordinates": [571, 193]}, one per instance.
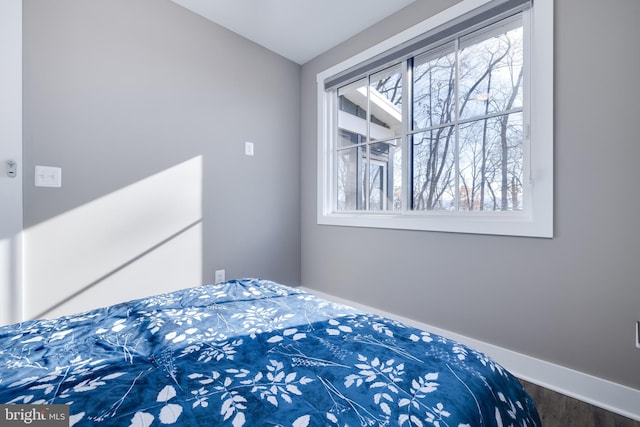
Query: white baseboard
{"type": "Point", "coordinates": [596, 391]}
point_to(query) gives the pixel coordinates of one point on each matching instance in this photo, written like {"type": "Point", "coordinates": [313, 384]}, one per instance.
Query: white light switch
{"type": "Point", "coordinates": [248, 148]}
{"type": "Point", "coordinates": [48, 176]}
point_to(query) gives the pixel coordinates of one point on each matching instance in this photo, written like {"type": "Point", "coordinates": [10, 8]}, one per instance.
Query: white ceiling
{"type": "Point", "coordinates": [296, 29]}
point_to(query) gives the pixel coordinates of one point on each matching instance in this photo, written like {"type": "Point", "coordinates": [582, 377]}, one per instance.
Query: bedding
{"type": "Point", "coordinates": [255, 353]}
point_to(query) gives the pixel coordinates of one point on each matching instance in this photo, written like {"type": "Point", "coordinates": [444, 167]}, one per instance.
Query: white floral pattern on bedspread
{"type": "Point", "coordinates": [255, 353]}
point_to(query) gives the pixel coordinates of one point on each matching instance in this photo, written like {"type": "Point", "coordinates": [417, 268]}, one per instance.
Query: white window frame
{"type": "Point", "coordinates": [537, 218]}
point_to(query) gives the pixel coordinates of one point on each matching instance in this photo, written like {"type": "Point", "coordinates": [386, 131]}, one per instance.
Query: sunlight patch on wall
{"type": "Point", "coordinates": [143, 239]}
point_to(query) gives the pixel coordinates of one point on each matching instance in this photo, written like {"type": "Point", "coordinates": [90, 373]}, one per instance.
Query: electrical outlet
{"type": "Point", "coordinates": [219, 276]}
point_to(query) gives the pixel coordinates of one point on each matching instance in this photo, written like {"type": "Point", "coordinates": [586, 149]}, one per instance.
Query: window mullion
{"type": "Point", "coordinates": [333, 149]}
{"type": "Point", "coordinates": [526, 88]}
{"type": "Point", "coordinates": [456, 124]}
{"type": "Point", "coordinates": [367, 162]}
{"type": "Point", "coordinates": [407, 146]}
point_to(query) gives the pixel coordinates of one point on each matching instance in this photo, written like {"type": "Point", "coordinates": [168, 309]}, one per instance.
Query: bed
{"type": "Point", "coordinates": [255, 353]}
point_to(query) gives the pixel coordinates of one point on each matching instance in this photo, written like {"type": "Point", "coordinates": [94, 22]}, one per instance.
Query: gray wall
{"type": "Point", "coordinates": [118, 92]}
{"type": "Point", "coordinates": [146, 106]}
{"type": "Point", "coordinates": [571, 300]}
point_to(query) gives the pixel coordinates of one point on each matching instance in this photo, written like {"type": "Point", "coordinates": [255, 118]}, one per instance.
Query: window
{"type": "Point", "coordinates": [449, 130]}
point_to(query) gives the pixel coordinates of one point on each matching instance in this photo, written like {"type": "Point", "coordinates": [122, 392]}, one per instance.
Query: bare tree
{"type": "Point", "coordinates": [465, 138]}
{"type": "Point", "coordinates": [488, 142]}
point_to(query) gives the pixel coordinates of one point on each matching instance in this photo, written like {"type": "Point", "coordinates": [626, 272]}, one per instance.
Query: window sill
{"type": "Point", "coordinates": [498, 223]}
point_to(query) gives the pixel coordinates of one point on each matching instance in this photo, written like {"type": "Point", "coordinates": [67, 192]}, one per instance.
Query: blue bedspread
{"type": "Point", "coordinates": [254, 353]}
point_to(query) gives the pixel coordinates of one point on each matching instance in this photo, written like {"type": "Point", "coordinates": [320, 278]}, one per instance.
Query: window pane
{"type": "Point", "coordinates": [397, 173]}
{"type": "Point", "coordinates": [433, 89]}
{"type": "Point", "coordinates": [491, 73]}
{"type": "Point", "coordinates": [377, 185]}
{"type": "Point", "coordinates": [385, 92]}
{"type": "Point", "coordinates": [346, 138]}
{"type": "Point", "coordinates": [385, 175]}
{"type": "Point", "coordinates": [352, 112]}
{"type": "Point", "coordinates": [350, 179]}
{"type": "Point", "coordinates": [490, 164]}
{"type": "Point", "coordinates": [434, 169]}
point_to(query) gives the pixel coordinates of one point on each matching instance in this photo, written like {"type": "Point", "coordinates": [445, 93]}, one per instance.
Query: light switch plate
{"type": "Point", "coordinates": [48, 176]}
{"type": "Point", "coordinates": [248, 148]}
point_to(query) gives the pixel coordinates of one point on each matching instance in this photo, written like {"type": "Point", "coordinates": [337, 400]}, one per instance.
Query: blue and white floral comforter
{"type": "Point", "coordinates": [253, 353]}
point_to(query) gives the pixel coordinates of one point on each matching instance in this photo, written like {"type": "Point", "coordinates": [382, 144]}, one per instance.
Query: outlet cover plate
{"type": "Point", "coordinates": [48, 176]}
{"type": "Point", "coordinates": [219, 276]}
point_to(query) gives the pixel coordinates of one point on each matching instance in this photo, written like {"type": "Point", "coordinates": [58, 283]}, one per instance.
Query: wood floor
{"type": "Point", "coordinates": [558, 410]}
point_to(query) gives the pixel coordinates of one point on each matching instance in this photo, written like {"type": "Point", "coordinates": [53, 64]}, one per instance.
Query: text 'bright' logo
{"type": "Point", "coordinates": [26, 416]}
{"type": "Point", "coordinates": [35, 415]}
